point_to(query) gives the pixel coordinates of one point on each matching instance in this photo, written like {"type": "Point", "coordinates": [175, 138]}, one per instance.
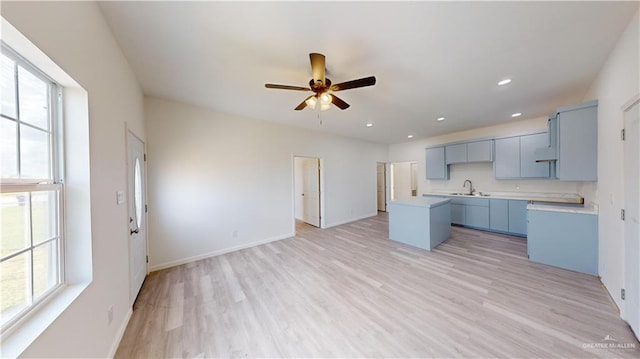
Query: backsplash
{"type": "Point", "coordinates": [481, 174]}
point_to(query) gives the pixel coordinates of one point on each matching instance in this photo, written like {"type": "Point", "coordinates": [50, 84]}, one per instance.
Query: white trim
{"type": "Point", "coordinates": [120, 334]}
{"type": "Point", "coordinates": [352, 219]}
{"type": "Point", "coordinates": [632, 101]}
{"type": "Point", "coordinates": [218, 252]}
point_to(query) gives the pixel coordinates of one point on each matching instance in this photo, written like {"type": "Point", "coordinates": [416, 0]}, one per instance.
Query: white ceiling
{"type": "Point", "coordinates": [430, 59]}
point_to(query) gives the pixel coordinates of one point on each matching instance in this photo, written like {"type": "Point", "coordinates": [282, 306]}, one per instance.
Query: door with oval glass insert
{"type": "Point", "coordinates": [137, 214]}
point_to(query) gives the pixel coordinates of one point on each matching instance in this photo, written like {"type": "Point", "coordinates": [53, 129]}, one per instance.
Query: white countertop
{"type": "Point", "coordinates": [568, 198]}
{"type": "Point", "coordinates": [579, 210]}
{"type": "Point", "coordinates": [427, 202]}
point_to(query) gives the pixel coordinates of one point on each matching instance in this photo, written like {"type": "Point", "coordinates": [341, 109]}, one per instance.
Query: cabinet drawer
{"type": "Point", "coordinates": [470, 201]}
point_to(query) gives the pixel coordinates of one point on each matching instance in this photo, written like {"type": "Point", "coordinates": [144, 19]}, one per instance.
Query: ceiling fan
{"type": "Point", "coordinates": [323, 88]}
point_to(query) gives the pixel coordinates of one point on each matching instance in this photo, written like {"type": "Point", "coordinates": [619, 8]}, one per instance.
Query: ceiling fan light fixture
{"type": "Point", "coordinates": [325, 98]}
{"type": "Point", "coordinates": [324, 106]}
{"type": "Point", "coordinates": [311, 102]}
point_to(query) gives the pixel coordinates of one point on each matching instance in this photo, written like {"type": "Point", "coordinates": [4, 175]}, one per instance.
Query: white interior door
{"type": "Point", "coordinates": [382, 190]}
{"type": "Point", "coordinates": [401, 180]}
{"type": "Point", "coordinates": [632, 217]}
{"type": "Point", "coordinates": [311, 191]}
{"type": "Point", "coordinates": [137, 214]}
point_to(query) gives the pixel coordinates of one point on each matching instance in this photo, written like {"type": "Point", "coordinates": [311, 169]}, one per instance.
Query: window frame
{"type": "Point", "coordinates": [32, 186]}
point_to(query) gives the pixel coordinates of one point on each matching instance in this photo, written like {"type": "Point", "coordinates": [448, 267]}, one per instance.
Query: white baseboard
{"type": "Point", "coordinates": [217, 253]}
{"type": "Point", "coordinates": [120, 334]}
{"type": "Point", "coordinates": [351, 220]}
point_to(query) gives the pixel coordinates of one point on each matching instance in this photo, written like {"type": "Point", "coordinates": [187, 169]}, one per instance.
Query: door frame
{"type": "Point", "coordinates": [392, 165]}
{"type": "Point", "coordinates": [384, 179]}
{"type": "Point", "coordinates": [128, 131]}
{"type": "Point", "coordinates": [293, 190]}
{"type": "Point", "coordinates": [635, 100]}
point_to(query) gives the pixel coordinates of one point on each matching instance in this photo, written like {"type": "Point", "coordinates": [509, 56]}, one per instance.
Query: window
{"type": "Point", "coordinates": [31, 188]}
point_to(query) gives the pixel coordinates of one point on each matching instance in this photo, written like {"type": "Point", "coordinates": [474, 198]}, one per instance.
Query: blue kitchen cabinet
{"type": "Point", "coordinates": [529, 168]}
{"type": "Point", "coordinates": [477, 216]}
{"type": "Point", "coordinates": [480, 151]}
{"type": "Point", "coordinates": [457, 214]}
{"type": "Point", "coordinates": [506, 163]}
{"type": "Point", "coordinates": [577, 142]}
{"type": "Point", "coordinates": [518, 217]}
{"type": "Point", "coordinates": [437, 168]}
{"type": "Point", "coordinates": [422, 222]}
{"type": "Point", "coordinates": [563, 239]}
{"type": "Point", "coordinates": [499, 215]}
{"type": "Point", "coordinates": [456, 153]}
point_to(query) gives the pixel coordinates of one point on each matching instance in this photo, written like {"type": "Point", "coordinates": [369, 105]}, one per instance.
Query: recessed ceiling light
{"type": "Point", "coordinates": [440, 119]}
{"type": "Point", "coordinates": [410, 136]}
{"type": "Point", "coordinates": [504, 82]}
{"type": "Point", "coordinates": [369, 124]}
{"type": "Point", "coordinates": [517, 114]}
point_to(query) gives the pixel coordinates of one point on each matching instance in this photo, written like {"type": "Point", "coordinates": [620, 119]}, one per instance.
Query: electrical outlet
{"type": "Point", "coordinates": [110, 315]}
{"type": "Point", "coordinates": [120, 197]}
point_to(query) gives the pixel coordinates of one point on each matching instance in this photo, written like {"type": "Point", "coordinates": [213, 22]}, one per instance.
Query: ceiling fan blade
{"type": "Point", "coordinates": [303, 104]}
{"type": "Point", "coordinates": [339, 102]}
{"type": "Point", "coordinates": [286, 87]}
{"type": "Point", "coordinates": [366, 81]}
{"type": "Point", "coordinates": [317, 67]}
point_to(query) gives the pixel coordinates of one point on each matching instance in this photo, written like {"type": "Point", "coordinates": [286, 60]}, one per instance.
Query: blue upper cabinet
{"type": "Point", "coordinates": [529, 168]}
{"type": "Point", "coordinates": [515, 157]}
{"type": "Point", "coordinates": [480, 151]}
{"type": "Point", "coordinates": [456, 153]}
{"type": "Point", "coordinates": [435, 163]}
{"type": "Point", "coordinates": [577, 145]}
{"type": "Point", "coordinates": [507, 158]}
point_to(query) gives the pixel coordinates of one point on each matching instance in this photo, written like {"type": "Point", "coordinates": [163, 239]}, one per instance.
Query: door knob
{"type": "Point", "coordinates": [132, 231]}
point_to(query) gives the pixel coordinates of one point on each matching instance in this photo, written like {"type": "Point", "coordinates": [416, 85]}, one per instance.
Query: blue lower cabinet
{"type": "Point", "coordinates": [499, 215]}
{"type": "Point", "coordinates": [518, 217]}
{"type": "Point", "coordinates": [565, 240]}
{"type": "Point", "coordinates": [477, 216]}
{"type": "Point", "coordinates": [457, 214]}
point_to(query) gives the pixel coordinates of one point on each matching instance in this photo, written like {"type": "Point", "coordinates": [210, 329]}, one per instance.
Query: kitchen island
{"type": "Point", "coordinates": [420, 222]}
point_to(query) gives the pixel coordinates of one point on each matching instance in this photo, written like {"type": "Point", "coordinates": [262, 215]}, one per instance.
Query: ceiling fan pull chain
{"type": "Point", "coordinates": [319, 119]}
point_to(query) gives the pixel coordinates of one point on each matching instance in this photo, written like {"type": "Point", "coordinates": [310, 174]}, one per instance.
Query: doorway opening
{"type": "Point", "coordinates": [632, 215]}
{"type": "Point", "coordinates": [404, 180]}
{"type": "Point", "coordinates": [307, 191]}
{"type": "Point", "coordinates": [381, 175]}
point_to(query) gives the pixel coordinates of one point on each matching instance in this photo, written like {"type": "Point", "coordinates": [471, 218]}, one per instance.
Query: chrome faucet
{"type": "Point", "coordinates": [471, 189]}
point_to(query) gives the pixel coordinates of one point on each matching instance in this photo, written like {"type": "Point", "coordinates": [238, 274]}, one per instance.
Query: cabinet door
{"type": "Point", "coordinates": [529, 168]}
{"type": "Point", "coordinates": [578, 144]}
{"type": "Point", "coordinates": [499, 215]}
{"type": "Point", "coordinates": [507, 159]}
{"type": "Point", "coordinates": [436, 167]}
{"type": "Point", "coordinates": [457, 213]}
{"type": "Point", "coordinates": [477, 216]}
{"type": "Point", "coordinates": [456, 153]}
{"type": "Point", "coordinates": [518, 217]}
{"type": "Point", "coordinates": [481, 151]}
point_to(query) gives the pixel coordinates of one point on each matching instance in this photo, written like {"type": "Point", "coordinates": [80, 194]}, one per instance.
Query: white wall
{"type": "Point", "coordinates": [211, 174]}
{"type": "Point", "coordinates": [617, 83]}
{"type": "Point", "coordinates": [77, 38]}
{"type": "Point", "coordinates": [481, 174]}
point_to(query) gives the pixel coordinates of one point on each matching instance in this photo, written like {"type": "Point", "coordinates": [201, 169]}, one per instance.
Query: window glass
{"type": "Point", "coordinates": [8, 87]}
{"type": "Point", "coordinates": [8, 149]}
{"type": "Point", "coordinates": [15, 219]}
{"type": "Point", "coordinates": [14, 285]}
{"type": "Point", "coordinates": [44, 221]}
{"type": "Point", "coordinates": [45, 267]}
{"type": "Point", "coordinates": [34, 153]}
{"type": "Point", "coordinates": [33, 100]}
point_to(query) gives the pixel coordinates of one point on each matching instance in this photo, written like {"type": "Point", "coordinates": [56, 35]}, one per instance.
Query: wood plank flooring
{"type": "Point", "coordinates": [349, 291]}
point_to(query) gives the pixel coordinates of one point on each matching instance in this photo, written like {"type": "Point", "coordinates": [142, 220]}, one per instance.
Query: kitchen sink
{"type": "Point", "coordinates": [477, 194]}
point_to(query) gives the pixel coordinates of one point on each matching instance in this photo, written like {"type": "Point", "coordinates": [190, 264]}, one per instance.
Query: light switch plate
{"type": "Point", "coordinates": [120, 197]}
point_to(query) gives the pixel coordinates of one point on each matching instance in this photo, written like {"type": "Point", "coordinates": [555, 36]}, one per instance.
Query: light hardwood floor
{"type": "Point", "coordinates": [349, 291]}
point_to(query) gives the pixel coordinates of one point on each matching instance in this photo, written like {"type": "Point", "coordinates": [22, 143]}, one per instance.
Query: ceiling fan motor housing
{"type": "Point", "coordinates": [318, 87]}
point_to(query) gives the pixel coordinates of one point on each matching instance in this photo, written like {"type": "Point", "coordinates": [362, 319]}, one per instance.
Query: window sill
{"type": "Point", "coordinates": [18, 338]}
